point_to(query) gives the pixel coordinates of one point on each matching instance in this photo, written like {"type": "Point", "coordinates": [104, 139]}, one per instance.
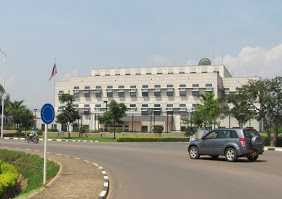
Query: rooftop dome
{"type": "Point", "coordinates": [204, 62]}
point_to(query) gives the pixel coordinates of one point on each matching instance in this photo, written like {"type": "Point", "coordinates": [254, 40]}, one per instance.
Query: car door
{"type": "Point", "coordinates": [224, 137]}
{"type": "Point", "coordinates": [220, 142]}
{"type": "Point", "coordinates": [207, 144]}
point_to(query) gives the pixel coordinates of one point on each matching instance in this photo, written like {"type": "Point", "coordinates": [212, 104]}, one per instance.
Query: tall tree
{"type": "Point", "coordinates": [69, 114]}
{"type": "Point", "coordinates": [207, 112]}
{"type": "Point", "coordinates": [274, 107]}
{"type": "Point", "coordinates": [240, 107]}
{"type": "Point", "coordinates": [114, 115]}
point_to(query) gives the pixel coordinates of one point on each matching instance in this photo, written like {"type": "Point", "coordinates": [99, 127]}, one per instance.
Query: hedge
{"type": "Point", "coordinates": [151, 139]}
{"type": "Point", "coordinates": [8, 179]}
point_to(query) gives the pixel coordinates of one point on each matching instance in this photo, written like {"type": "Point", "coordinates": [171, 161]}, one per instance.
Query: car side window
{"type": "Point", "coordinates": [211, 135]}
{"type": "Point", "coordinates": [221, 134]}
{"type": "Point", "coordinates": [232, 134]}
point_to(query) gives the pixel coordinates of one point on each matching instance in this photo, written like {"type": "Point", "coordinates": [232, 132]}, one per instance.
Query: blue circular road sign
{"type": "Point", "coordinates": [47, 113]}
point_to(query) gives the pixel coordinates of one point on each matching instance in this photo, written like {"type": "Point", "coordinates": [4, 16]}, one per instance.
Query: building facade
{"type": "Point", "coordinates": [155, 96]}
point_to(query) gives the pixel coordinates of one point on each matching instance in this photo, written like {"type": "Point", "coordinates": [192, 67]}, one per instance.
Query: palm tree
{"type": "Point", "coordinates": [14, 110]}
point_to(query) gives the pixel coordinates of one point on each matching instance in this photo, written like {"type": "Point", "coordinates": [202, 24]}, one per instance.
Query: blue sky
{"type": "Point", "coordinates": [85, 34]}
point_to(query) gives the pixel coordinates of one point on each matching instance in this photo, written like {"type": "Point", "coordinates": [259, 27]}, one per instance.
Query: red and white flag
{"type": "Point", "coordinates": [54, 72]}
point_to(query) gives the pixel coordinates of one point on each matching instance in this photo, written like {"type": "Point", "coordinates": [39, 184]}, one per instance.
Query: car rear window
{"type": "Point", "coordinates": [249, 133]}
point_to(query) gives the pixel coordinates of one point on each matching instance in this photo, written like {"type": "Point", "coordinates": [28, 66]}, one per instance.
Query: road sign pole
{"type": "Point", "coordinates": [47, 116]}
{"type": "Point", "coordinates": [45, 154]}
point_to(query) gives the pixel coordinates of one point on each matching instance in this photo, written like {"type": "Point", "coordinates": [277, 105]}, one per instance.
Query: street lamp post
{"type": "Point", "coordinates": [35, 117]}
{"type": "Point", "coordinates": [2, 111]}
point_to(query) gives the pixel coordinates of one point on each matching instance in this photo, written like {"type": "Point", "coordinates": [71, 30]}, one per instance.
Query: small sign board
{"type": "Point", "coordinates": [47, 113]}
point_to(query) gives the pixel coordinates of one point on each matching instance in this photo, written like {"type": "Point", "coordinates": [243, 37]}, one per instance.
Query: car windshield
{"type": "Point", "coordinates": [249, 133]}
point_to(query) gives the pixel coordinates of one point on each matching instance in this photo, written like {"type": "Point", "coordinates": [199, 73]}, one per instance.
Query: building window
{"type": "Point", "coordinates": [133, 91]}
{"type": "Point", "coordinates": [145, 94]}
{"type": "Point", "coordinates": [117, 74]}
{"type": "Point", "coordinates": [87, 87]}
{"type": "Point", "coordinates": [127, 74]}
{"type": "Point", "coordinates": [159, 73]}
{"type": "Point", "coordinates": [195, 85]}
{"type": "Point", "coordinates": [170, 73]}
{"type": "Point", "coordinates": [182, 93]}
{"type": "Point", "coordinates": [137, 73]}
{"type": "Point", "coordinates": [182, 85]}
{"type": "Point", "coordinates": [182, 105]}
{"type": "Point", "coordinates": [107, 75]}
{"type": "Point", "coordinates": [208, 85]}
{"type": "Point", "coordinates": [170, 90]}
{"type": "Point", "coordinates": [157, 91]}
{"type": "Point", "coordinates": [109, 91]}
{"type": "Point", "coordinates": [132, 105]}
{"type": "Point", "coordinates": [145, 91]}
{"type": "Point", "coordinates": [148, 73]}
{"type": "Point", "coordinates": [181, 72]}
{"type": "Point", "coordinates": [195, 93]}
{"type": "Point", "coordinates": [121, 92]}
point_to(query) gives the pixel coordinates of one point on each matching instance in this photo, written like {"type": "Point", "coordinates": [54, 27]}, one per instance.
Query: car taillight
{"type": "Point", "coordinates": [243, 141]}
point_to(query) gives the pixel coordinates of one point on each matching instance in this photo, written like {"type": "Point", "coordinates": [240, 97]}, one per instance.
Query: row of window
{"type": "Point", "coordinates": [87, 106]}
{"type": "Point", "coordinates": [208, 85]}
{"type": "Point", "coordinates": [144, 93]}
{"type": "Point", "coordinates": [158, 73]}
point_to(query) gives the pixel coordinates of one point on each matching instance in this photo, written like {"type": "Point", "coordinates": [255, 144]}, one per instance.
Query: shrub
{"type": "Point", "coordinates": [8, 180]}
{"type": "Point", "coordinates": [150, 139]}
{"type": "Point", "coordinates": [30, 167]}
{"type": "Point", "coordinates": [158, 129]}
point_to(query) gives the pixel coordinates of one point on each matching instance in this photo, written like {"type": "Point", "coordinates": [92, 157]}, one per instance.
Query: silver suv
{"type": "Point", "coordinates": [231, 143]}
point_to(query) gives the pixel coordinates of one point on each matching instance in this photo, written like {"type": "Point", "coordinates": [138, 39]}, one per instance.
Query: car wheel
{"type": "Point", "coordinates": [194, 152]}
{"type": "Point", "coordinates": [231, 154]}
{"type": "Point", "coordinates": [253, 157]}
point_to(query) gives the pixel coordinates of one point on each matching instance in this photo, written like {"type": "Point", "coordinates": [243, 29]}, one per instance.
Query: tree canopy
{"type": "Point", "coordinates": [69, 113]}
{"type": "Point", "coordinates": [113, 116]}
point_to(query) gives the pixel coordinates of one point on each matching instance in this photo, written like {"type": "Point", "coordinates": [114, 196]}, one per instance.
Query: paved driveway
{"type": "Point", "coordinates": [163, 170]}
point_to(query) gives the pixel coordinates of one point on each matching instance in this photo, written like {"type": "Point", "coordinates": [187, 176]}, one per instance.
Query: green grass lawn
{"type": "Point", "coordinates": [30, 166]}
{"type": "Point", "coordinates": [109, 137]}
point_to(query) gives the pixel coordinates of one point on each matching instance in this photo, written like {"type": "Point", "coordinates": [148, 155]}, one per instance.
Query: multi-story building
{"type": "Point", "coordinates": [155, 96]}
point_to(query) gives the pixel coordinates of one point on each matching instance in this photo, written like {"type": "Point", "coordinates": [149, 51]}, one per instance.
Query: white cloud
{"type": "Point", "coordinates": [258, 61]}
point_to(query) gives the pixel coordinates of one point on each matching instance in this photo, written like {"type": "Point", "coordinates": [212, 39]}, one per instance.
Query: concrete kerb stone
{"type": "Point", "coordinates": [55, 140]}
{"type": "Point", "coordinates": [268, 148]}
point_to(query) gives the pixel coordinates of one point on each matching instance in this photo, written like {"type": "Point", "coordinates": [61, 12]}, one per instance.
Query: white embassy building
{"type": "Point", "coordinates": [155, 96]}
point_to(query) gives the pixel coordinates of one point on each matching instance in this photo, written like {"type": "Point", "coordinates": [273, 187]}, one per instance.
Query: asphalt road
{"type": "Point", "coordinates": [163, 170]}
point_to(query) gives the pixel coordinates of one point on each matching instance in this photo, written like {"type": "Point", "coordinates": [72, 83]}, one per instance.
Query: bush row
{"type": "Point", "coordinates": [8, 180]}
{"type": "Point", "coordinates": [267, 140]}
{"type": "Point", "coordinates": [151, 139]}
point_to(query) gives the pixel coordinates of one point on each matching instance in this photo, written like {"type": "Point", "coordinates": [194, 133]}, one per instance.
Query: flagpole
{"type": "Point", "coordinates": [54, 86]}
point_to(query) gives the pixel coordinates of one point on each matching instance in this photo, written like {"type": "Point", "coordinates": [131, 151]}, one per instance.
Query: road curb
{"type": "Point", "coordinates": [55, 140]}
{"type": "Point", "coordinates": [269, 148]}
{"type": "Point", "coordinates": [106, 180]}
